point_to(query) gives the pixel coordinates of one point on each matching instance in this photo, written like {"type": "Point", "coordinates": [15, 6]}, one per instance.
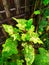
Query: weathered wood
{"type": "Point", "coordinates": [13, 9]}
{"type": "Point", "coordinates": [6, 7]}
{"type": "Point", "coordinates": [26, 6]}
{"type": "Point", "coordinates": [18, 16]}
{"type": "Point", "coordinates": [1, 17]}
{"type": "Point", "coordinates": [17, 5]}
{"type": "Point", "coordinates": [5, 35]}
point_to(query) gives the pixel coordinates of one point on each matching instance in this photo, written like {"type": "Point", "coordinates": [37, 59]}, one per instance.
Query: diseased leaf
{"type": "Point", "coordinates": [31, 30]}
{"type": "Point", "coordinates": [8, 28]}
{"type": "Point", "coordinates": [20, 26]}
{"type": "Point", "coordinates": [35, 38]}
{"type": "Point", "coordinates": [28, 53]}
{"type": "Point", "coordinates": [23, 37]}
{"type": "Point", "coordinates": [19, 62]}
{"type": "Point", "coordinates": [22, 21]}
{"type": "Point", "coordinates": [9, 48]}
{"type": "Point", "coordinates": [16, 36]}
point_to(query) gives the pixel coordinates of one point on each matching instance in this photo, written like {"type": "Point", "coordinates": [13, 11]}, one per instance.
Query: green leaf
{"type": "Point", "coordinates": [28, 53]}
{"type": "Point", "coordinates": [47, 29]}
{"type": "Point", "coordinates": [15, 30]}
{"type": "Point", "coordinates": [48, 16]}
{"type": "Point", "coordinates": [45, 2]}
{"type": "Point", "coordinates": [37, 12]}
{"type": "Point", "coordinates": [35, 38]}
{"type": "Point", "coordinates": [16, 36]}
{"type": "Point", "coordinates": [22, 21]}
{"type": "Point", "coordinates": [46, 13]}
{"type": "Point", "coordinates": [23, 37]}
{"type": "Point", "coordinates": [20, 26]}
{"type": "Point", "coordinates": [8, 28]}
{"type": "Point", "coordinates": [9, 48]}
{"type": "Point", "coordinates": [12, 63]}
{"type": "Point", "coordinates": [31, 30]}
{"type": "Point", "coordinates": [42, 25]}
{"type": "Point", "coordinates": [1, 60]}
{"type": "Point", "coordinates": [28, 24]}
{"type": "Point", "coordinates": [47, 43]}
{"type": "Point", "coordinates": [27, 37]}
{"type": "Point", "coordinates": [42, 57]}
{"type": "Point", "coordinates": [19, 62]}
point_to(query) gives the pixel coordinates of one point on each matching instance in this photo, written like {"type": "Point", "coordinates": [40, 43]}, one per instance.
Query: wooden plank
{"type": "Point", "coordinates": [13, 9]}
{"type": "Point", "coordinates": [17, 5]}
{"type": "Point", "coordinates": [18, 16]}
{"type": "Point", "coordinates": [1, 18]}
{"type": "Point", "coordinates": [27, 6]}
{"type": "Point", "coordinates": [6, 7]}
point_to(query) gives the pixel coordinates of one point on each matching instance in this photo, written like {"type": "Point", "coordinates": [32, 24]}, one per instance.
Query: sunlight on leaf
{"type": "Point", "coordinates": [37, 12]}
{"type": "Point", "coordinates": [9, 48]}
{"type": "Point", "coordinates": [28, 53]}
{"type": "Point", "coordinates": [8, 28]}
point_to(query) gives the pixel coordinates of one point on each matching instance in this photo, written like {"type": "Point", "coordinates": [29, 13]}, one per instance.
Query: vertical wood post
{"type": "Point", "coordinates": [26, 6]}
{"type": "Point", "coordinates": [6, 7]}
{"type": "Point", "coordinates": [1, 17]}
{"type": "Point", "coordinates": [17, 4]}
